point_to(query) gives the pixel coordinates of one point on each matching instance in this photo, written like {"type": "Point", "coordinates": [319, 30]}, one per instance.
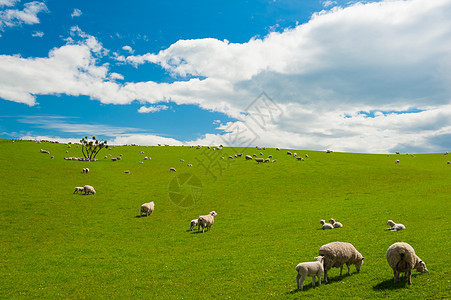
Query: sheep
{"type": "Point", "coordinates": [193, 224]}
{"type": "Point", "coordinates": [141, 162]}
{"type": "Point", "coordinates": [306, 156]}
{"type": "Point", "coordinates": [267, 160]}
{"type": "Point", "coordinates": [448, 162]}
{"type": "Point", "coordinates": [329, 151]}
{"type": "Point", "coordinates": [336, 254]}
{"type": "Point", "coordinates": [189, 165]}
{"type": "Point", "coordinates": [88, 189]}
{"type": "Point", "coordinates": [295, 154]}
{"type": "Point", "coordinates": [45, 151]}
{"type": "Point", "coordinates": [289, 153]}
{"type": "Point", "coordinates": [182, 160]}
{"type": "Point", "coordinates": [254, 155]}
{"type": "Point", "coordinates": [300, 158]}
{"type": "Point", "coordinates": [326, 225]}
{"type": "Point", "coordinates": [261, 153]}
{"type": "Point", "coordinates": [230, 157]}
{"type": "Point", "coordinates": [86, 170]}
{"type": "Point", "coordinates": [113, 158]}
{"type": "Point", "coordinates": [67, 151]}
{"type": "Point", "coordinates": [248, 157]}
{"type": "Point", "coordinates": [397, 161]}
{"type": "Point", "coordinates": [142, 152]}
{"type": "Point", "coordinates": [240, 154]}
{"type": "Point", "coordinates": [119, 158]}
{"type": "Point", "coordinates": [270, 156]}
{"type": "Point", "coordinates": [273, 160]}
{"type": "Point", "coordinates": [394, 226]}
{"type": "Point", "coordinates": [313, 269]}
{"type": "Point", "coordinates": [105, 157]}
{"type": "Point", "coordinates": [335, 223]}
{"type": "Point", "coordinates": [127, 172]}
{"type": "Point", "coordinates": [259, 160]}
{"type": "Point", "coordinates": [278, 149]}
{"type": "Point", "coordinates": [147, 208]}
{"type": "Point", "coordinates": [52, 157]}
{"type": "Point", "coordinates": [402, 258]}
{"type": "Point", "coordinates": [78, 189]}
{"type": "Point", "coordinates": [145, 158]}
{"type": "Point", "coordinates": [172, 169]}
{"type": "Point", "coordinates": [206, 221]}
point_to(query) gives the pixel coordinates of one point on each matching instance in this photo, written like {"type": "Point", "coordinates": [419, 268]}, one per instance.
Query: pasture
{"type": "Point", "coordinates": [56, 244]}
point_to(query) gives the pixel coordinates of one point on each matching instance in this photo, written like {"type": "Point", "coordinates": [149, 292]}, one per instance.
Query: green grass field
{"type": "Point", "coordinates": [55, 244]}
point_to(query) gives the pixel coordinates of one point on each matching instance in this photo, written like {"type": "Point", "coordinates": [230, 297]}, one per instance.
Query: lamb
{"type": "Point", "coordinates": [402, 258]}
{"type": "Point", "coordinates": [88, 189]}
{"type": "Point", "coordinates": [394, 226]}
{"type": "Point", "coordinates": [326, 225]}
{"type": "Point", "coordinates": [147, 208]}
{"type": "Point", "coordinates": [335, 224]}
{"type": "Point", "coordinates": [248, 157]}
{"type": "Point", "coordinates": [78, 189]}
{"type": "Point", "coordinates": [194, 223]}
{"type": "Point", "coordinates": [313, 269]}
{"type": "Point", "coordinates": [336, 254]}
{"type": "Point", "coordinates": [172, 169]}
{"type": "Point", "coordinates": [206, 221]}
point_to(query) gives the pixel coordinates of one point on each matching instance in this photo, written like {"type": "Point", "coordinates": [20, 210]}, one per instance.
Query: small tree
{"type": "Point", "coordinates": [90, 149]}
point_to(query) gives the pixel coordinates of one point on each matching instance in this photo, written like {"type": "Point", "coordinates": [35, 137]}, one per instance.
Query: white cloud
{"type": "Point", "coordinates": [389, 55]}
{"type": "Point", "coordinates": [152, 109]}
{"type": "Point", "coordinates": [116, 76]}
{"type": "Point", "coordinates": [76, 13]}
{"type": "Point", "coordinates": [329, 3]}
{"type": "Point", "coordinates": [8, 2]}
{"type": "Point", "coordinates": [37, 34]}
{"type": "Point", "coordinates": [15, 17]}
{"type": "Point", "coordinates": [129, 49]}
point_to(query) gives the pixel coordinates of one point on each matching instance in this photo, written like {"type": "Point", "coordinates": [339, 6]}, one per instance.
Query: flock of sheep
{"type": "Point", "coordinates": [400, 256]}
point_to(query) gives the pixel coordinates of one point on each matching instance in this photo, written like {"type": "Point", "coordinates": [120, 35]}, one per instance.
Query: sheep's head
{"type": "Point", "coordinates": [322, 222]}
{"type": "Point", "coordinates": [213, 213]}
{"type": "Point", "coordinates": [421, 267]}
{"type": "Point", "coordinates": [320, 258]}
{"type": "Point", "coordinates": [391, 223]}
{"type": "Point", "coordinates": [332, 221]}
{"type": "Point", "coordinates": [359, 264]}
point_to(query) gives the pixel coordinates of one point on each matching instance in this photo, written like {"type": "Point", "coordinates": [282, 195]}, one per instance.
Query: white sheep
{"type": "Point", "coordinates": [86, 170]}
{"type": "Point", "coordinates": [182, 160]}
{"type": "Point", "coordinates": [336, 254]}
{"type": "Point", "coordinates": [402, 258]}
{"type": "Point", "coordinates": [267, 160]}
{"type": "Point", "coordinates": [248, 157]}
{"type": "Point", "coordinates": [306, 156]}
{"type": "Point", "coordinates": [335, 223]}
{"type": "Point", "coordinates": [300, 158]}
{"type": "Point", "coordinates": [278, 149]}
{"type": "Point", "coordinates": [259, 160]}
{"type": "Point", "coordinates": [313, 269]}
{"type": "Point", "coordinates": [147, 208]}
{"type": "Point", "coordinates": [45, 151]}
{"type": "Point", "coordinates": [78, 189]}
{"type": "Point", "coordinates": [172, 169]}
{"type": "Point", "coordinates": [289, 153]}
{"type": "Point", "coordinates": [87, 189]}
{"type": "Point", "coordinates": [206, 221]}
{"type": "Point", "coordinates": [326, 225]}
{"type": "Point", "coordinates": [127, 172]}
{"type": "Point", "coordinates": [295, 154]}
{"type": "Point", "coordinates": [394, 226]}
{"type": "Point", "coordinates": [397, 161]}
{"type": "Point", "coordinates": [193, 224]}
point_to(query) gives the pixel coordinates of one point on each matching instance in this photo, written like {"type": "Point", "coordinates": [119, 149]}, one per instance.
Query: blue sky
{"type": "Point", "coordinates": [371, 76]}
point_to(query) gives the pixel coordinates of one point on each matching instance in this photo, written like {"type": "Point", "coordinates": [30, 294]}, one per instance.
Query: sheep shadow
{"type": "Point", "coordinates": [309, 284]}
{"type": "Point", "coordinates": [390, 285]}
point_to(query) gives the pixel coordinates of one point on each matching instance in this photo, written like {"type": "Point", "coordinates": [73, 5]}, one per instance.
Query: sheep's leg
{"type": "Point", "coordinates": [396, 276]}
{"type": "Point", "coordinates": [313, 280]}
{"type": "Point", "coordinates": [297, 280]}
{"type": "Point", "coordinates": [409, 276]}
{"type": "Point", "coordinates": [325, 275]}
{"type": "Point", "coordinates": [341, 270]}
{"type": "Point", "coordinates": [349, 269]}
{"type": "Point", "coordinates": [302, 283]}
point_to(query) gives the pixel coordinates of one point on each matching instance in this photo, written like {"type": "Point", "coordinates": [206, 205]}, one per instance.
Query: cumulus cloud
{"type": "Point", "coordinates": [76, 13]}
{"type": "Point", "coordinates": [37, 34]}
{"type": "Point", "coordinates": [16, 17]}
{"type": "Point", "coordinates": [8, 2]}
{"type": "Point", "coordinates": [128, 49]}
{"type": "Point", "coordinates": [152, 109]}
{"type": "Point", "coordinates": [384, 56]}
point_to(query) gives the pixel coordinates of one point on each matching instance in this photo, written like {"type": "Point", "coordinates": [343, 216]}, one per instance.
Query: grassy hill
{"type": "Point", "coordinates": [56, 244]}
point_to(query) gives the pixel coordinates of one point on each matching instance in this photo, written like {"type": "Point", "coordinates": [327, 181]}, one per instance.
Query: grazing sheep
{"type": "Point", "coordinates": [45, 151]}
{"type": "Point", "coordinates": [448, 163]}
{"type": "Point", "coordinates": [87, 189]}
{"type": "Point", "coordinates": [52, 157]}
{"type": "Point", "coordinates": [267, 160]}
{"type": "Point", "coordinates": [402, 258]}
{"type": "Point", "coordinates": [336, 254]}
{"type": "Point", "coordinates": [254, 155]}
{"type": "Point", "coordinates": [295, 154]}
{"type": "Point", "coordinates": [300, 158]}
{"type": "Point", "coordinates": [206, 221]}
{"type": "Point", "coordinates": [289, 153]}
{"type": "Point", "coordinates": [86, 170]}
{"type": "Point", "coordinates": [193, 224]}
{"type": "Point", "coordinates": [67, 151]}
{"type": "Point", "coordinates": [78, 189]}
{"type": "Point", "coordinates": [182, 160]}
{"type": "Point", "coordinates": [142, 152]}
{"type": "Point", "coordinates": [105, 157]}
{"type": "Point", "coordinates": [147, 208]}
{"type": "Point", "coordinates": [313, 269]}
{"type": "Point", "coordinates": [278, 149]}
{"type": "Point", "coordinates": [248, 157]}
{"type": "Point", "coordinates": [326, 225]}
{"type": "Point", "coordinates": [259, 160]}
{"type": "Point", "coordinates": [127, 172]}
{"type": "Point", "coordinates": [240, 154]}
{"type": "Point", "coordinates": [145, 158]}
{"type": "Point", "coordinates": [397, 161]}
{"type": "Point", "coordinates": [261, 153]}
{"type": "Point", "coordinates": [230, 157]}
{"type": "Point", "coordinates": [329, 151]}
{"type": "Point", "coordinates": [119, 158]}
{"type": "Point", "coordinates": [273, 160]}
{"type": "Point", "coordinates": [394, 226]}
{"type": "Point", "coordinates": [172, 169]}
{"type": "Point", "coordinates": [270, 156]}
{"type": "Point", "coordinates": [189, 165]}
{"type": "Point", "coordinates": [335, 223]}
{"type": "Point", "coordinates": [306, 156]}
{"type": "Point", "coordinates": [397, 152]}
{"type": "Point", "coordinates": [141, 162]}
{"type": "Point", "coordinates": [113, 158]}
